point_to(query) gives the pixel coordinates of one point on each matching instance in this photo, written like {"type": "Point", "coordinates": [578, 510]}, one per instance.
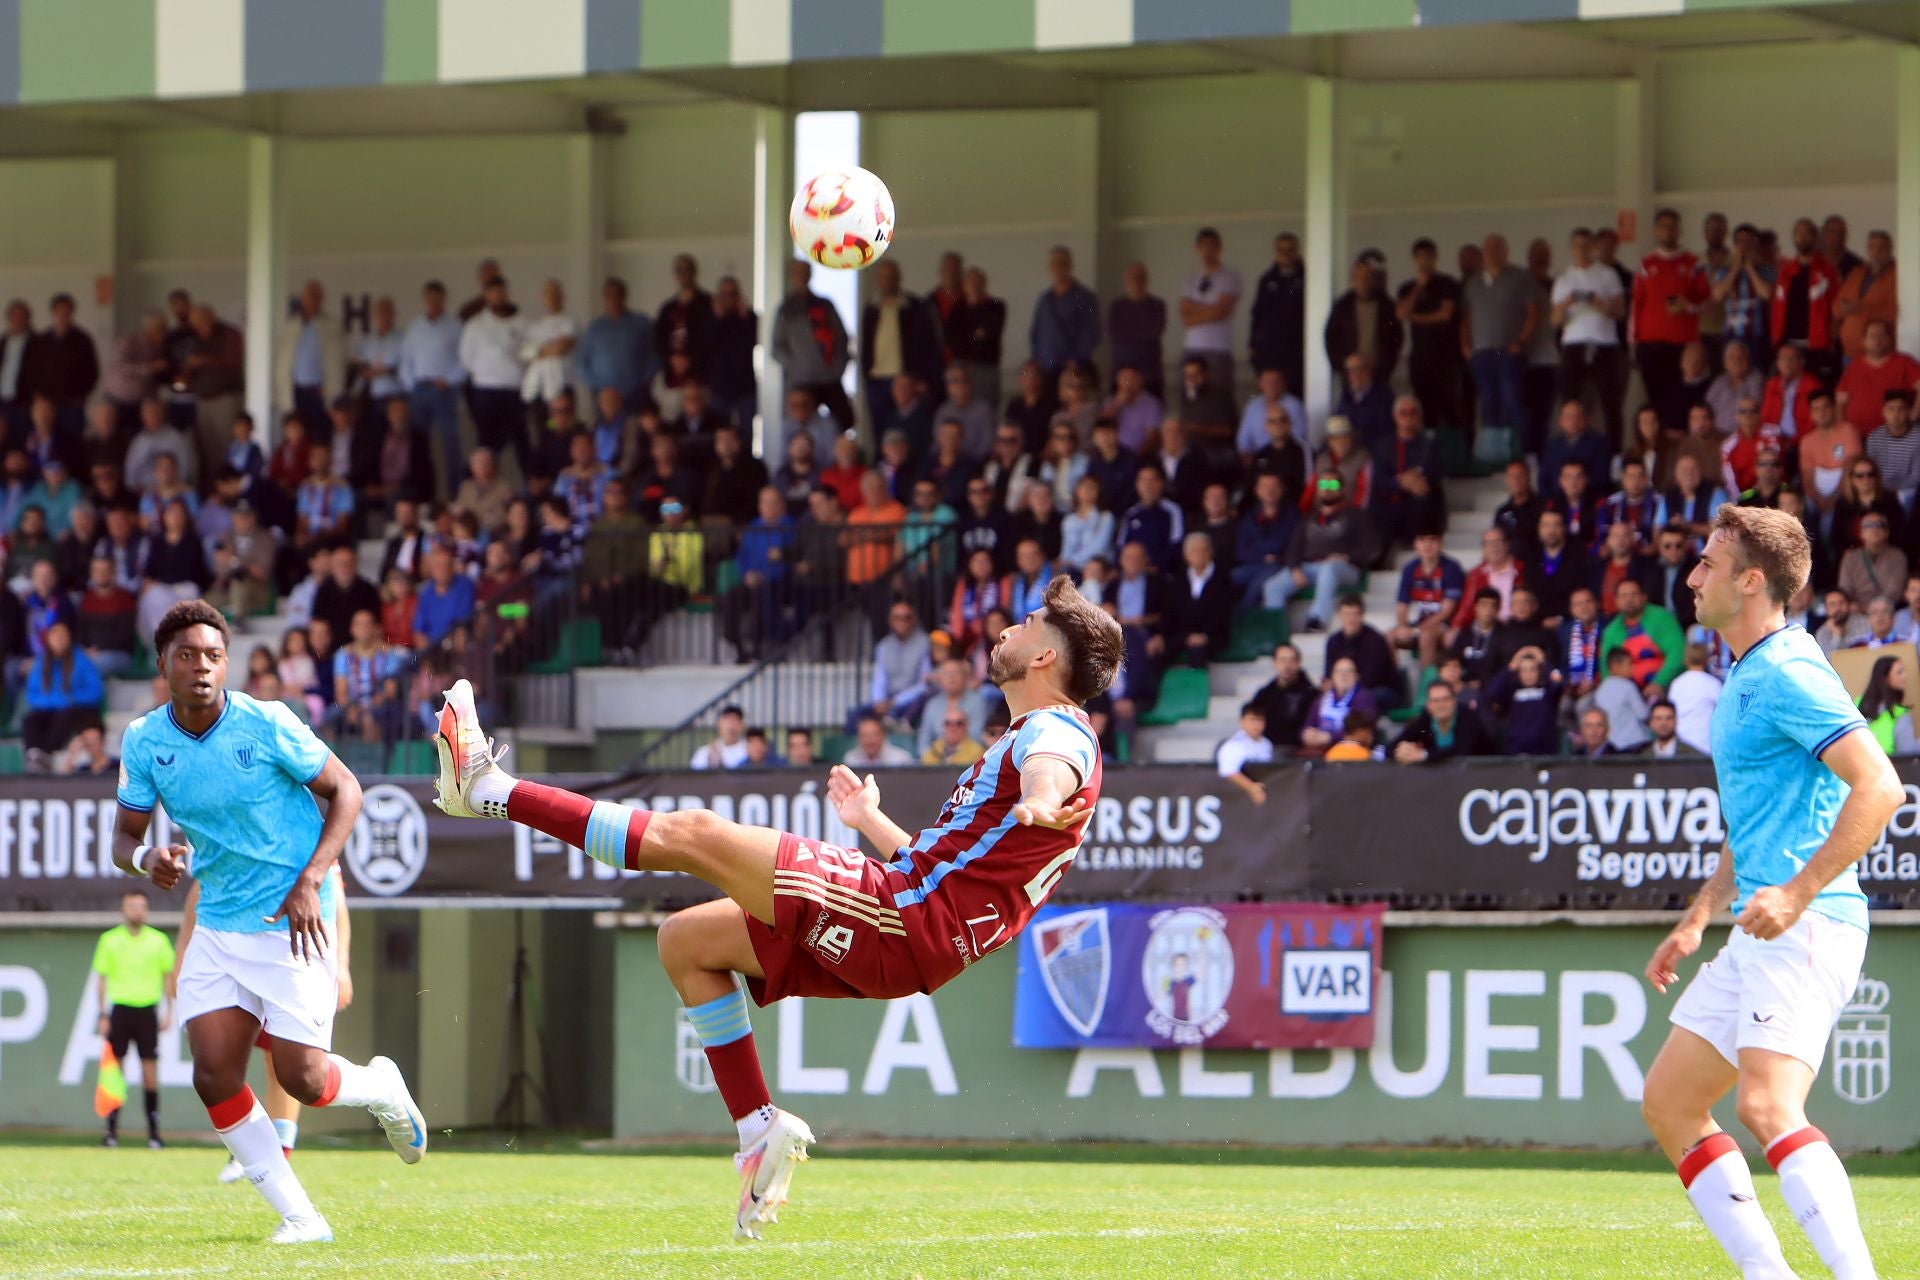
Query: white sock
{"type": "Point", "coordinates": [493, 787]}
{"type": "Point", "coordinates": [753, 1124]}
{"type": "Point", "coordinates": [359, 1086]}
{"type": "Point", "coordinates": [256, 1146]}
{"type": "Point", "coordinates": [1720, 1185]}
{"type": "Point", "coordinates": [289, 1131]}
{"type": "Point", "coordinates": [1815, 1186]}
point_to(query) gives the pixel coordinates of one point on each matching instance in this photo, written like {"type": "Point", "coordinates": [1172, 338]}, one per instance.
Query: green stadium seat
{"type": "Point", "coordinates": [906, 742]}
{"type": "Point", "coordinates": [415, 759]}
{"type": "Point", "coordinates": [1123, 747]}
{"type": "Point", "coordinates": [13, 757]}
{"type": "Point", "coordinates": [1256, 634]}
{"type": "Point", "coordinates": [578, 646]}
{"type": "Point", "coordinates": [1306, 592]}
{"type": "Point", "coordinates": [363, 758]}
{"type": "Point", "coordinates": [726, 576]}
{"type": "Point", "coordinates": [1184, 692]}
{"type": "Point", "coordinates": [1400, 715]}
{"type": "Point", "coordinates": [833, 746]}
{"type": "Point", "coordinates": [142, 668]}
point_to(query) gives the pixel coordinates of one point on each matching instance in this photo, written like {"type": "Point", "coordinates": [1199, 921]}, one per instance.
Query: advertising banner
{"type": "Point", "coordinates": [1235, 976]}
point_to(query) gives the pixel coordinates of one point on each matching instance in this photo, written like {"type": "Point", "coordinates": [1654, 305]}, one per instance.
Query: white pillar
{"type": "Point", "coordinates": [1325, 249]}
{"type": "Point", "coordinates": [773, 188]}
{"type": "Point", "coordinates": [1906, 190]}
{"type": "Point", "coordinates": [266, 278]}
{"type": "Point", "coordinates": [1633, 163]}
{"type": "Point", "coordinates": [587, 161]}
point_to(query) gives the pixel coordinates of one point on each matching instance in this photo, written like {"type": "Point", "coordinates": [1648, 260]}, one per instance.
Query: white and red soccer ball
{"type": "Point", "coordinates": [843, 219]}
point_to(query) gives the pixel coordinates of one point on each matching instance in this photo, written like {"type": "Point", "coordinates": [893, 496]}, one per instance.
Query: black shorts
{"type": "Point", "coordinates": [140, 1027]}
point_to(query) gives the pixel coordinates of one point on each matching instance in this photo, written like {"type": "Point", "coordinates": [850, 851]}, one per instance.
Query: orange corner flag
{"type": "Point", "coordinates": [110, 1092]}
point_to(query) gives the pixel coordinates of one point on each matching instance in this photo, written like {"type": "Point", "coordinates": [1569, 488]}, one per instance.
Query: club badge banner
{"type": "Point", "coordinates": [1123, 975]}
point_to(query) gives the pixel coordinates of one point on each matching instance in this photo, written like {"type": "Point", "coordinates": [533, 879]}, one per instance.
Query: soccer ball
{"type": "Point", "coordinates": [843, 219]}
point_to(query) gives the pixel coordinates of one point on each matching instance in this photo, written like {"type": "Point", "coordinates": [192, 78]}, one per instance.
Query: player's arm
{"type": "Point", "coordinates": [343, 946]}
{"type": "Point", "coordinates": [162, 864]}
{"type": "Point", "coordinates": [1875, 792]}
{"type": "Point", "coordinates": [339, 791]}
{"type": "Point", "coordinates": [857, 802]}
{"type": "Point", "coordinates": [1045, 783]}
{"type": "Point", "coordinates": [1712, 899]}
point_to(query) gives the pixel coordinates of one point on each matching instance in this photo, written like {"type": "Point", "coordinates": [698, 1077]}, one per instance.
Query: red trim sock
{"type": "Point", "coordinates": [1788, 1143]}
{"type": "Point", "coordinates": [331, 1089]}
{"type": "Point", "coordinates": [227, 1114]}
{"type": "Point", "coordinates": [736, 1072]}
{"type": "Point", "coordinates": [1710, 1148]}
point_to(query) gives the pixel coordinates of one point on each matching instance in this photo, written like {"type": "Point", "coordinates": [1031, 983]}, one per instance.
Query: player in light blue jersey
{"type": "Point", "coordinates": [1805, 791]}
{"type": "Point", "coordinates": [244, 781]}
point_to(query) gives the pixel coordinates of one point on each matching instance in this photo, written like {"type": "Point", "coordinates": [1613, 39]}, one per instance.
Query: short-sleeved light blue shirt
{"type": "Point", "coordinates": [239, 792]}
{"type": "Point", "coordinates": [1783, 705]}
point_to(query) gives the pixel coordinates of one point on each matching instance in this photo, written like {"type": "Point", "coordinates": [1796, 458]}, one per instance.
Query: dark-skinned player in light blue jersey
{"type": "Point", "coordinates": [1805, 791]}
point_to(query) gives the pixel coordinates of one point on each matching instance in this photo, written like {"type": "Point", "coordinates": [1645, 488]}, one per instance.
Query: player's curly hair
{"type": "Point", "coordinates": [1771, 541]}
{"type": "Point", "coordinates": [1094, 647]}
{"type": "Point", "coordinates": [188, 613]}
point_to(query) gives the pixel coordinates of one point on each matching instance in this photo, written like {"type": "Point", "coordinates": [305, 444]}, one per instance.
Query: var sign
{"type": "Point", "coordinates": [1326, 982]}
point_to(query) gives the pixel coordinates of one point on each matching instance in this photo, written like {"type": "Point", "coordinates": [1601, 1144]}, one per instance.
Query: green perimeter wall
{"type": "Point", "coordinates": [1536, 1035]}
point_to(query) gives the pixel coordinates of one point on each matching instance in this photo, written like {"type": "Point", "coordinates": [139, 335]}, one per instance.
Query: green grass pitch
{"type": "Point", "coordinates": [68, 1210]}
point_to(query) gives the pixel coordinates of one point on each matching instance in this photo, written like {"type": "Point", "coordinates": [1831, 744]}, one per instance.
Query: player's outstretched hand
{"type": "Point", "coordinates": [301, 910]}
{"type": "Point", "coordinates": [1675, 947]}
{"type": "Point", "coordinates": [166, 864]}
{"type": "Point", "coordinates": [853, 799]}
{"type": "Point", "coordinates": [1771, 912]}
{"type": "Point", "coordinates": [1058, 817]}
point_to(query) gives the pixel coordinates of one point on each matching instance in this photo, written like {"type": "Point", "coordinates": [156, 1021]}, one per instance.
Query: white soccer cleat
{"type": "Point", "coordinates": [766, 1171]}
{"type": "Point", "coordinates": [232, 1173]}
{"type": "Point", "coordinates": [405, 1127]}
{"type": "Point", "coordinates": [312, 1230]}
{"type": "Point", "coordinates": [466, 754]}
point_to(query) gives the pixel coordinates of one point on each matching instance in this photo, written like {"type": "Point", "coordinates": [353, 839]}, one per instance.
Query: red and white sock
{"type": "Point", "coordinates": [243, 1125]}
{"type": "Point", "coordinates": [351, 1085]}
{"type": "Point", "coordinates": [1720, 1185]}
{"type": "Point", "coordinates": [605, 831]}
{"type": "Point", "coordinates": [1815, 1186]}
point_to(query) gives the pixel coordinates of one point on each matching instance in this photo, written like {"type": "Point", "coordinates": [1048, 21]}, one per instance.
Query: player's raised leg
{"type": "Point", "coordinates": [1688, 1077]}
{"type": "Point", "coordinates": [1772, 1105]}
{"type": "Point", "coordinates": [220, 1042]}
{"type": "Point", "coordinates": [703, 949]}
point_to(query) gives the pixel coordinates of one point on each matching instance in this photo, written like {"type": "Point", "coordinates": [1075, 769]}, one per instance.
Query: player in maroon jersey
{"type": "Point", "coordinates": [803, 918]}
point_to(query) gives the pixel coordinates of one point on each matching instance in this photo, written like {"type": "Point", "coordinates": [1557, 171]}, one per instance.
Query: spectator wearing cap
{"type": "Point", "coordinates": [1363, 322]}
{"type": "Point", "coordinates": [1428, 306]}
{"type": "Point", "coordinates": [728, 750]}
{"type": "Point", "coordinates": [1136, 330]}
{"type": "Point", "coordinates": [64, 367]}
{"type": "Point", "coordinates": [310, 361]}
{"type": "Point", "coordinates": [1872, 374]}
{"type": "Point", "coordinates": [1343, 455]}
{"type": "Point", "coordinates": [1895, 447]}
{"type": "Point", "coordinates": [1330, 548]}
{"type": "Point", "coordinates": [1249, 745]}
{"type": "Point", "coordinates": [1868, 292]}
{"type": "Point", "coordinates": [1276, 336]}
{"type": "Point", "coordinates": [1207, 305]}
{"type": "Point", "coordinates": [1406, 493]}
{"type": "Point", "coordinates": [1441, 732]}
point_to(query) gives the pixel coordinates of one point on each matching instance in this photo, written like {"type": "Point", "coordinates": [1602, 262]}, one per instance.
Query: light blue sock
{"type": "Point", "coordinates": [721, 1021]}
{"type": "Point", "coordinates": [289, 1132]}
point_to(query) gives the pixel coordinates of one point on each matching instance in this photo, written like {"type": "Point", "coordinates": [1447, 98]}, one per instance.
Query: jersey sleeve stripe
{"type": "Point", "coordinates": [1835, 736]}
{"type": "Point", "coordinates": [131, 807]}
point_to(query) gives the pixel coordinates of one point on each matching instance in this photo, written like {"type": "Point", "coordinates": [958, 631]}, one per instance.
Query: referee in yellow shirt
{"type": "Point", "coordinates": [132, 962]}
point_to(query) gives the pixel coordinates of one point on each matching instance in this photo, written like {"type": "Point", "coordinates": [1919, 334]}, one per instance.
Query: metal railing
{"type": "Point", "coordinates": [819, 670]}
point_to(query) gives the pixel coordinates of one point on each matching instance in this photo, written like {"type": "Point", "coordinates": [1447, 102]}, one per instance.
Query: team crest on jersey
{"type": "Point", "coordinates": [1746, 701]}
{"type": "Point", "coordinates": [1863, 1044]}
{"type": "Point", "coordinates": [243, 754]}
{"type": "Point", "coordinates": [1076, 963]}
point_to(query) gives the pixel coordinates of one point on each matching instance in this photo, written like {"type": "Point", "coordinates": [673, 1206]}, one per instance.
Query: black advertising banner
{"type": "Point", "coordinates": [1157, 832]}
{"type": "Point", "coordinates": [1463, 835]}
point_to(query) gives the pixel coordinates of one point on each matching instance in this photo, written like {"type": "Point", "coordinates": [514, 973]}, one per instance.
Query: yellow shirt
{"type": "Point", "coordinates": [887, 358]}
{"type": "Point", "coordinates": [964, 754]}
{"type": "Point", "coordinates": [678, 558]}
{"type": "Point", "coordinates": [135, 965]}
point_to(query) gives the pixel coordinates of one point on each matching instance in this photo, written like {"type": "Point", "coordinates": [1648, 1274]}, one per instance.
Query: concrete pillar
{"type": "Point", "coordinates": [266, 278]}
{"type": "Point", "coordinates": [1906, 191]}
{"type": "Point", "coordinates": [1633, 164]}
{"type": "Point", "coordinates": [773, 188]}
{"type": "Point", "coordinates": [587, 161]}
{"type": "Point", "coordinates": [1325, 246]}
{"type": "Point", "coordinates": [120, 247]}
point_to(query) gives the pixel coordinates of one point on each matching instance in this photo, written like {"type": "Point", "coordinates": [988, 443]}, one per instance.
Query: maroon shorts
{"type": "Point", "coordinates": [835, 929]}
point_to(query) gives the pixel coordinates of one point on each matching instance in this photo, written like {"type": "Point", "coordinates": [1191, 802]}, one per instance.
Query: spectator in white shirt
{"type": "Point", "coordinates": [728, 750]}
{"type": "Point", "coordinates": [1694, 693]}
{"type": "Point", "coordinates": [431, 373]}
{"type": "Point", "coordinates": [1247, 746]}
{"type": "Point", "coordinates": [1587, 305]}
{"type": "Point", "coordinates": [1206, 309]}
{"type": "Point", "coordinates": [490, 347]}
{"type": "Point", "coordinates": [547, 350]}
{"type": "Point", "coordinates": [872, 750]}
{"type": "Point", "coordinates": [376, 360]}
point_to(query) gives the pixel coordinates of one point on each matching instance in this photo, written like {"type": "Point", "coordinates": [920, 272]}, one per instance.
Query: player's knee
{"type": "Point", "coordinates": [1765, 1113]}
{"type": "Point", "coordinates": [675, 943]}
{"type": "Point", "coordinates": [696, 827]}
{"type": "Point", "coordinates": [304, 1081]}
{"type": "Point", "coordinates": [216, 1084]}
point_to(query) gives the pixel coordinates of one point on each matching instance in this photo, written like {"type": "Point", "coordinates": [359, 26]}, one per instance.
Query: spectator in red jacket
{"type": "Point", "coordinates": [1497, 571]}
{"type": "Point", "coordinates": [1784, 407]}
{"type": "Point", "coordinates": [1877, 370]}
{"type": "Point", "coordinates": [1803, 297]}
{"type": "Point", "coordinates": [1666, 307]}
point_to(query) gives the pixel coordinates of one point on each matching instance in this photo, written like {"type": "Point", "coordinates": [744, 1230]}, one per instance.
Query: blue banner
{"type": "Point", "coordinates": [1238, 976]}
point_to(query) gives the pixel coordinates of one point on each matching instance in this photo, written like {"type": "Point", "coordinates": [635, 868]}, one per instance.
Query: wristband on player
{"type": "Point", "coordinates": [139, 858]}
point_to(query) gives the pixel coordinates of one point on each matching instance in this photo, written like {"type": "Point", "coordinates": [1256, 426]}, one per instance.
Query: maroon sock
{"type": "Point", "coordinates": [736, 1072]}
{"type": "Point", "coordinates": [566, 816]}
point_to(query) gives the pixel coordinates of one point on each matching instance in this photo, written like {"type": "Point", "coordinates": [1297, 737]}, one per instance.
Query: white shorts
{"type": "Point", "coordinates": [1783, 995]}
{"type": "Point", "coordinates": [294, 999]}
